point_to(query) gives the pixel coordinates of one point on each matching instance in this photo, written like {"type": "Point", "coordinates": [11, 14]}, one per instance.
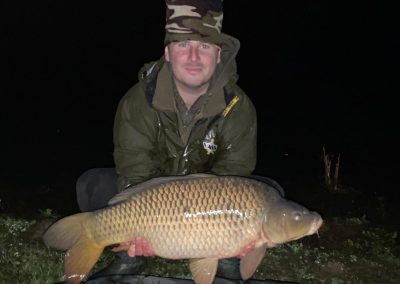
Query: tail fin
{"type": "Point", "coordinates": [66, 232]}
{"type": "Point", "coordinates": [83, 252]}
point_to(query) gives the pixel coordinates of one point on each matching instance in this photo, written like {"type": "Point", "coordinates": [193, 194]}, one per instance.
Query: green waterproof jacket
{"type": "Point", "coordinates": [151, 138]}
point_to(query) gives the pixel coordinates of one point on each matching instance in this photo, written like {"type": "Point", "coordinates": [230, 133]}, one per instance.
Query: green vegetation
{"type": "Point", "coordinates": [347, 250]}
{"type": "Point", "coordinates": [26, 260]}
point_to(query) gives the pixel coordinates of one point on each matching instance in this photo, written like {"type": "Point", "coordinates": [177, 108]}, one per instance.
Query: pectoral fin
{"type": "Point", "coordinates": [250, 262]}
{"type": "Point", "coordinates": [203, 270]}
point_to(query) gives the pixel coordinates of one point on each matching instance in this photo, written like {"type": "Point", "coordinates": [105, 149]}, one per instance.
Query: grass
{"type": "Point", "coordinates": [23, 259]}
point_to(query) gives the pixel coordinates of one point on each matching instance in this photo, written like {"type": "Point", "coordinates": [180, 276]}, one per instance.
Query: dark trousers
{"type": "Point", "coordinates": [95, 187]}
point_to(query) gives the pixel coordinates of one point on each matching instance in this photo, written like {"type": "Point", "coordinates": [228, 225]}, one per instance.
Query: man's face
{"type": "Point", "coordinates": [193, 62]}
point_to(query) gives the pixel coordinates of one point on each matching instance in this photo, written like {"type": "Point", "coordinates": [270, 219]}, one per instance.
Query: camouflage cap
{"type": "Point", "coordinates": [194, 20]}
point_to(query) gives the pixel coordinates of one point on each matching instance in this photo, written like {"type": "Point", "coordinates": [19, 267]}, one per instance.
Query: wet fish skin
{"type": "Point", "coordinates": [199, 217]}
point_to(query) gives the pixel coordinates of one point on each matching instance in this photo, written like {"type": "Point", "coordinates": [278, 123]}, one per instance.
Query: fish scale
{"type": "Point", "coordinates": [209, 215]}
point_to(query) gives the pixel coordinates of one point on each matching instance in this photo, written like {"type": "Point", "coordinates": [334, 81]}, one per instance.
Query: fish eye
{"type": "Point", "coordinates": [297, 216]}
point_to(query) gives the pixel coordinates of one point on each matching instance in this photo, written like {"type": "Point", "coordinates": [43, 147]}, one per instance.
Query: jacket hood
{"type": "Point", "coordinates": [226, 70]}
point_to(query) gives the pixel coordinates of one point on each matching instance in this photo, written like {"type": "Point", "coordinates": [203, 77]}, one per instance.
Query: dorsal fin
{"type": "Point", "coordinates": [271, 182]}
{"type": "Point", "coordinates": [131, 191]}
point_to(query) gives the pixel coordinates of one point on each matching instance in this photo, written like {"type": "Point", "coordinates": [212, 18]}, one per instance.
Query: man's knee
{"type": "Point", "coordinates": [95, 187]}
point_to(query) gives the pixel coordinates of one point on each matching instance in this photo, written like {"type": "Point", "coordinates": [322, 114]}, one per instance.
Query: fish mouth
{"type": "Point", "coordinates": [315, 225]}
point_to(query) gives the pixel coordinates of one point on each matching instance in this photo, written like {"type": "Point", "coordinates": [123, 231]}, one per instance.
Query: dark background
{"type": "Point", "coordinates": [320, 74]}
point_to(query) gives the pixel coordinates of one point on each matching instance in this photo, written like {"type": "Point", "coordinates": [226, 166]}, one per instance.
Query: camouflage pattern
{"type": "Point", "coordinates": [194, 20]}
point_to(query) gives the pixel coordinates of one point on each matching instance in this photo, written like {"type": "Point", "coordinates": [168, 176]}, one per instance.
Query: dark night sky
{"type": "Point", "coordinates": [318, 73]}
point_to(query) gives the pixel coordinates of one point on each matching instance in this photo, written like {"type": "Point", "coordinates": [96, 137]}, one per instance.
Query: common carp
{"type": "Point", "coordinates": [198, 217]}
